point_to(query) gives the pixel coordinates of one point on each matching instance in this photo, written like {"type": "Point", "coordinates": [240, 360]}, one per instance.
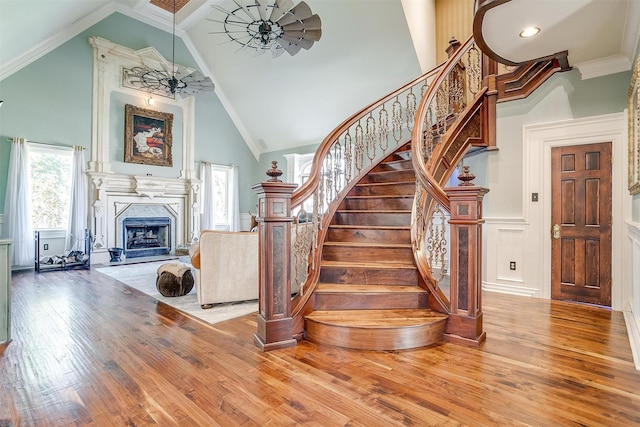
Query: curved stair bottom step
{"type": "Point", "coordinates": [376, 329]}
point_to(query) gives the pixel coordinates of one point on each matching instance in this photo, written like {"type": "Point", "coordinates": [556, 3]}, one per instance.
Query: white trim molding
{"type": "Point", "coordinates": [538, 141]}
{"type": "Point", "coordinates": [632, 306]}
{"type": "Point", "coordinates": [1, 222]}
{"type": "Point", "coordinates": [505, 240]}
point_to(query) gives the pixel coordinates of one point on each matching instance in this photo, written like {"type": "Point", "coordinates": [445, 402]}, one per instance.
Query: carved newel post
{"type": "Point", "coordinates": [274, 243]}
{"type": "Point", "coordinates": [465, 319]}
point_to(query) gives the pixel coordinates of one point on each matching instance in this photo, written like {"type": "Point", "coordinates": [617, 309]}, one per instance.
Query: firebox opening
{"type": "Point", "coordinates": [146, 236]}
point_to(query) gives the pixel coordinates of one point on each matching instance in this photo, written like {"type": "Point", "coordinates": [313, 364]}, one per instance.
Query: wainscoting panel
{"type": "Point", "coordinates": [632, 307]}
{"type": "Point", "coordinates": [505, 240]}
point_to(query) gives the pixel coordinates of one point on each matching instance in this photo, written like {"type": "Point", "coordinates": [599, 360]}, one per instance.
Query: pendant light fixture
{"type": "Point", "coordinates": [177, 80]}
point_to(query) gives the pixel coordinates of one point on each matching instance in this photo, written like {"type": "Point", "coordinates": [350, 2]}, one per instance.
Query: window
{"type": "Point", "coordinates": [298, 170]}
{"type": "Point", "coordinates": [220, 198]}
{"type": "Point", "coordinates": [222, 190]}
{"type": "Point", "coordinates": [50, 186]}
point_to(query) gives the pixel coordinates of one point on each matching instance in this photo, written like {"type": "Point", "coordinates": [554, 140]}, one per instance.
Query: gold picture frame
{"type": "Point", "coordinates": [147, 136]}
{"type": "Point", "coordinates": [634, 130]}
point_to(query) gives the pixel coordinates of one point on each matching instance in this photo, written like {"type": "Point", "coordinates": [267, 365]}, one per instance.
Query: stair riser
{"type": "Point", "coordinates": [368, 235]}
{"type": "Point", "coordinates": [372, 218]}
{"type": "Point", "coordinates": [360, 254]}
{"type": "Point", "coordinates": [372, 339]}
{"type": "Point", "coordinates": [391, 176]}
{"type": "Point", "coordinates": [358, 301]}
{"type": "Point", "coordinates": [366, 276]}
{"type": "Point", "coordinates": [402, 188]}
{"type": "Point", "coordinates": [394, 166]}
{"type": "Point", "coordinates": [399, 203]}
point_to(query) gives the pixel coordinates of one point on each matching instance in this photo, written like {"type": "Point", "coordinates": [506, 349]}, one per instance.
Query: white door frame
{"type": "Point", "coordinates": [538, 140]}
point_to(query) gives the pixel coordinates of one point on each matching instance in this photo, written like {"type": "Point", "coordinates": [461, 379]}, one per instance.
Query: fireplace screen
{"type": "Point", "coordinates": [146, 236]}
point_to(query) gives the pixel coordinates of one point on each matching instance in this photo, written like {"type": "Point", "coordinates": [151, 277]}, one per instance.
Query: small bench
{"type": "Point", "coordinates": [174, 279]}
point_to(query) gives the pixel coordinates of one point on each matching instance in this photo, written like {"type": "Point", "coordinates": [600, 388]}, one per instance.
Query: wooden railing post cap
{"type": "Point", "coordinates": [270, 187]}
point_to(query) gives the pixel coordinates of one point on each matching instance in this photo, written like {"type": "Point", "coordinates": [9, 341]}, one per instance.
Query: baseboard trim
{"type": "Point", "coordinates": [633, 331]}
{"type": "Point", "coordinates": [508, 289]}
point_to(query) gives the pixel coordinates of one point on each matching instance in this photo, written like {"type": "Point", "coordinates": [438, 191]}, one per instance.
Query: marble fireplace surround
{"type": "Point", "coordinates": [120, 196]}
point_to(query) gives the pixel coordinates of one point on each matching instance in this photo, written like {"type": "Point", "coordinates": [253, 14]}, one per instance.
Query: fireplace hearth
{"type": "Point", "coordinates": [146, 236]}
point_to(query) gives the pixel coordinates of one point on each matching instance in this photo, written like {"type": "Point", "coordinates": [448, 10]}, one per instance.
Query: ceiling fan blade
{"type": "Point", "coordinates": [299, 13]}
{"type": "Point", "coordinates": [276, 51]}
{"type": "Point", "coordinates": [291, 49]}
{"type": "Point", "coordinates": [307, 35]}
{"type": "Point", "coordinates": [196, 83]}
{"type": "Point", "coordinates": [245, 9]}
{"type": "Point", "coordinates": [311, 23]}
{"type": "Point", "coordinates": [280, 8]}
{"type": "Point", "coordinates": [306, 44]}
{"type": "Point", "coordinates": [262, 6]}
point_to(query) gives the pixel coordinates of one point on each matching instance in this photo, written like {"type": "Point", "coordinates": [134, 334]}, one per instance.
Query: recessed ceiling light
{"type": "Point", "coordinates": [529, 32]}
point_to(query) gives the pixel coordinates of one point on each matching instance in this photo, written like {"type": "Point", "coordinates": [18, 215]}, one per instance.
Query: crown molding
{"type": "Point", "coordinates": [55, 41]}
{"type": "Point", "coordinates": [602, 67]}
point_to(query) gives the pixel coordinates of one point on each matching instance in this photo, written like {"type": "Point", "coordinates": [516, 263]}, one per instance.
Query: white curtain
{"type": "Point", "coordinates": [207, 203]}
{"type": "Point", "coordinates": [17, 207]}
{"type": "Point", "coordinates": [234, 199]}
{"type": "Point", "coordinates": [77, 202]}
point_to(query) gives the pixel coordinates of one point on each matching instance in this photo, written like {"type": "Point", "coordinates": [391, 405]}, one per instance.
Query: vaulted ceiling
{"type": "Point", "coordinates": [366, 50]}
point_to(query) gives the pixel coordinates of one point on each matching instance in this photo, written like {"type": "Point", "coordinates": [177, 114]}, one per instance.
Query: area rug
{"type": "Point", "coordinates": [143, 278]}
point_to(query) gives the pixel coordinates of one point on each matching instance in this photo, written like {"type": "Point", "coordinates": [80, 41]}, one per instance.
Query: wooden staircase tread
{"type": "Point", "coordinates": [382, 196]}
{"type": "Point", "coordinates": [374, 211]}
{"type": "Point", "coordinates": [374, 184]}
{"type": "Point", "coordinates": [371, 227]}
{"type": "Point", "coordinates": [377, 319]}
{"type": "Point", "coordinates": [380, 265]}
{"type": "Point", "coordinates": [367, 244]}
{"type": "Point", "coordinates": [361, 288]}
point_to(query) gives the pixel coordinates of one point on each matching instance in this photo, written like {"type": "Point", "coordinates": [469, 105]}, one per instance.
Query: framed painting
{"type": "Point", "coordinates": [147, 136]}
{"type": "Point", "coordinates": [634, 130]}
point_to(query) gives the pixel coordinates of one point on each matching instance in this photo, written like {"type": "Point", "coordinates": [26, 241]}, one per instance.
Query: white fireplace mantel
{"type": "Point", "coordinates": [111, 191]}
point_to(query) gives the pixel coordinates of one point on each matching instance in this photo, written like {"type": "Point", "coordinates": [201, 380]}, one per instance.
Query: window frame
{"type": "Point", "coordinates": [34, 147]}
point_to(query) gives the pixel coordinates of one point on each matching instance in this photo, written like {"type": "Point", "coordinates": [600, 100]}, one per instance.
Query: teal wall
{"type": "Point", "coordinates": [220, 143]}
{"type": "Point", "coordinates": [565, 96]}
{"type": "Point", "coordinates": [50, 101]}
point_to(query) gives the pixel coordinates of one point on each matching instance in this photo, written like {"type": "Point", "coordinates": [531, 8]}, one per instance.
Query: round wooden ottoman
{"type": "Point", "coordinates": [174, 279]}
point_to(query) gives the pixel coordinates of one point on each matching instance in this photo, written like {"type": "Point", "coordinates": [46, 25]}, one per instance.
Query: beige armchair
{"type": "Point", "coordinates": [226, 266]}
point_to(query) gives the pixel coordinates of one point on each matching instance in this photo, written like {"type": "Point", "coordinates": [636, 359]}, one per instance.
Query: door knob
{"type": "Point", "coordinates": [555, 231]}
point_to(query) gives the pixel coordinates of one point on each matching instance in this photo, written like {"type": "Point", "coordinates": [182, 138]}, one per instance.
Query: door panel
{"type": "Point", "coordinates": [581, 206]}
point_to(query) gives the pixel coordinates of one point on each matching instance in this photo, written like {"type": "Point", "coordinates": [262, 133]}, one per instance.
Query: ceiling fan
{"type": "Point", "coordinates": [270, 25]}
{"type": "Point", "coordinates": [177, 79]}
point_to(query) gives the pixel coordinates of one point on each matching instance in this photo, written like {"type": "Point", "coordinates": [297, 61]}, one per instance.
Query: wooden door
{"type": "Point", "coordinates": [581, 223]}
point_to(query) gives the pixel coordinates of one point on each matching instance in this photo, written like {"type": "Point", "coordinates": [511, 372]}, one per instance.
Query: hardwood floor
{"type": "Point", "coordinates": [88, 350]}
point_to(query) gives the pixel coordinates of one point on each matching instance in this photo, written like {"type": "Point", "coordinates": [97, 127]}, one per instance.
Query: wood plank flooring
{"type": "Point", "coordinates": [88, 350]}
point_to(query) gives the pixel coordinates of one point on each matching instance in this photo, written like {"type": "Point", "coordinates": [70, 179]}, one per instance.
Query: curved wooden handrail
{"type": "Point", "coordinates": [429, 191]}
{"type": "Point", "coordinates": [307, 189]}
{"type": "Point", "coordinates": [313, 183]}
{"type": "Point", "coordinates": [423, 174]}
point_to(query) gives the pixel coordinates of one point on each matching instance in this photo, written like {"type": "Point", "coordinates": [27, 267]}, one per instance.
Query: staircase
{"type": "Point", "coordinates": [367, 248]}
{"type": "Point", "coordinates": [369, 294]}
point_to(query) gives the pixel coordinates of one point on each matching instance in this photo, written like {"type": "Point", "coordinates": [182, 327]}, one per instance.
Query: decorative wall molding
{"type": "Point", "coordinates": [605, 66]}
{"type": "Point", "coordinates": [632, 306]}
{"type": "Point", "coordinates": [1, 223]}
{"type": "Point", "coordinates": [537, 143]}
{"type": "Point", "coordinates": [112, 192]}
{"type": "Point", "coordinates": [108, 61]}
{"type": "Point", "coordinates": [515, 289]}
{"type": "Point", "coordinates": [505, 239]}
{"type": "Point", "coordinates": [55, 41]}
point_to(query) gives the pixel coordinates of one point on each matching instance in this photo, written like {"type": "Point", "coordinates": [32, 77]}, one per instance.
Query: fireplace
{"type": "Point", "coordinates": [146, 236]}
